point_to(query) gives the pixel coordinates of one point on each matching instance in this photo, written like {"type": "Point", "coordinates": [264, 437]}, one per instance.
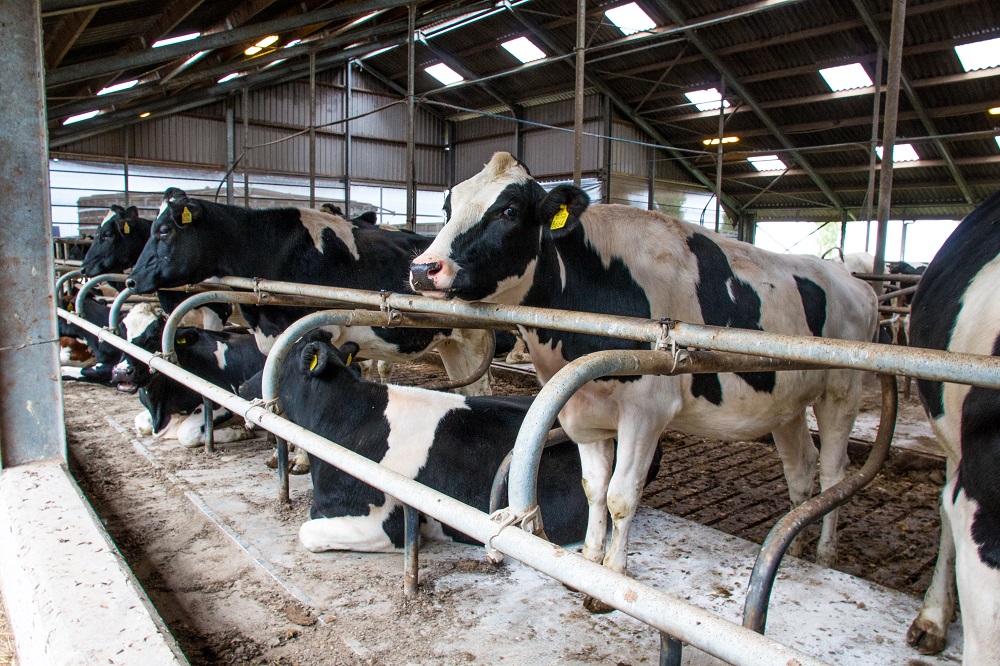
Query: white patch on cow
{"type": "Point", "coordinates": [358, 533]}
{"type": "Point", "coordinates": [264, 342]}
{"type": "Point", "coordinates": [729, 288]}
{"type": "Point", "coordinates": [170, 430]}
{"type": "Point", "coordinates": [163, 207]}
{"type": "Point", "coordinates": [64, 355]}
{"type": "Point", "coordinates": [471, 198]}
{"type": "Point", "coordinates": [977, 583]}
{"type": "Point", "coordinates": [71, 372]}
{"type": "Point", "coordinates": [220, 354]}
{"type": "Point", "coordinates": [139, 319]}
{"type": "Point", "coordinates": [432, 529]}
{"type": "Point", "coordinates": [144, 423]}
{"type": "Point", "coordinates": [562, 271]}
{"type": "Point", "coordinates": [315, 222]}
{"type": "Point", "coordinates": [191, 431]}
{"type": "Point", "coordinates": [413, 415]}
{"type": "Point", "coordinates": [513, 289]}
{"type": "Point", "coordinates": [107, 217]}
{"type": "Point", "coordinates": [210, 320]}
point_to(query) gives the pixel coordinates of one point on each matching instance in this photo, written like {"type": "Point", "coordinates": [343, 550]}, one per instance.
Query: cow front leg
{"type": "Point", "coordinates": [596, 463]}
{"type": "Point", "coordinates": [929, 631]}
{"type": "Point", "coordinates": [798, 461]}
{"type": "Point", "coordinates": [462, 353]}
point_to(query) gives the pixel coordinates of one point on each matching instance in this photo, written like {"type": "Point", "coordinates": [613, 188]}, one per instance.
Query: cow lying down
{"type": "Point", "coordinates": [448, 442]}
{"type": "Point", "coordinates": [173, 411]}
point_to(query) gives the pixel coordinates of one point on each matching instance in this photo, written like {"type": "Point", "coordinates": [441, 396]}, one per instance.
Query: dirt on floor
{"type": "Point", "coordinates": [7, 656]}
{"type": "Point", "coordinates": [224, 609]}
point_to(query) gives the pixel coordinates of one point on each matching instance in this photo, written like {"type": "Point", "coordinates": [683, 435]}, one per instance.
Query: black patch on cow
{"type": "Point", "coordinates": [938, 300]}
{"type": "Point", "coordinates": [977, 471]}
{"type": "Point", "coordinates": [814, 303]}
{"type": "Point", "coordinates": [718, 308]}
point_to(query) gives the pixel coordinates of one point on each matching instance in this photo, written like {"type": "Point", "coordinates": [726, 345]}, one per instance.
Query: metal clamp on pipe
{"type": "Point", "coordinates": [765, 569]}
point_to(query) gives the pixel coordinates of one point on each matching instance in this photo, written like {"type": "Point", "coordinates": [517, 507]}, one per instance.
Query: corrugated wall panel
{"type": "Point", "coordinates": [472, 155]}
{"type": "Point", "coordinates": [473, 129]}
{"type": "Point", "coordinates": [181, 139]}
{"type": "Point", "coordinates": [550, 152]}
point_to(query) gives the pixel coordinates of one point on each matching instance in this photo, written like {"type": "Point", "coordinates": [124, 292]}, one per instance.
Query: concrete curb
{"type": "Point", "coordinates": [70, 597]}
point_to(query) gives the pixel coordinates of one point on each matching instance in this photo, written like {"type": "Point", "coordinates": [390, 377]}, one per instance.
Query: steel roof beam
{"type": "Point", "coordinates": [749, 100]}
{"type": "Point", "coordinates": [466, 73]}
{"type": "Point", "coordinates": [61, 39]}
{"type": "Point", "coordinates": [863, 168]}
{"type": "Point", "coordinates": [150, 57]}
{"type": "Point", "coordinates": [917, 105]}
{"type": "Point", "coordinates": [629, 113]}
{"type": "Point", "coordinates": [53, 7]}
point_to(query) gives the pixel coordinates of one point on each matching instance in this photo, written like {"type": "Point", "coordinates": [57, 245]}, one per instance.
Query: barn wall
{"type": "Point", "coordinates": [198, 138]}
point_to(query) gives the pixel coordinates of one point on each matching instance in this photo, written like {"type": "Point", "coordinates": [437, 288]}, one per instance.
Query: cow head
{"type": "Point", "coordinates": [143, 328]}
{"type": "Point", "coordinates": [119, 241]}
{"type": "Point", "coordinates": [316, 376]}
{"type": "Point", "coordinates": [489, 248]}
{"type": "Point", "coordinates": [180, 249]}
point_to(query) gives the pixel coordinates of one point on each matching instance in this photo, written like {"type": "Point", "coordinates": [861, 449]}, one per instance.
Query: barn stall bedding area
{"type": "Point", "coordinates": [220, 559]}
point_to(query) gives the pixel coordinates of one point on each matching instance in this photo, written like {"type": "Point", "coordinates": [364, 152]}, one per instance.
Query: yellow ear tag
{"type": "Point", "coordinates": [559, 219]}
{"type": "Point", "coordinates": [314, 362]}
{"type": "Point", "coordinates": [349, 357]}
{"type": "Point", "coordinates": [126, 228]}
{"type": "Point", "coordinates": [186, 216]}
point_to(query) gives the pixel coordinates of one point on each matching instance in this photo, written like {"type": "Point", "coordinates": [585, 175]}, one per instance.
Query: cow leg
{"type": "Point", "coordinates": [299, 462]}
{"type": "Point", "coordinates": [357, 533]}
{"type": "Point", "coordinates": [191, 433]}
{"type": "Point", "coordinates": [144, 423]}
{"type": "Point", "coordinates": [384, 371]}
{"type": "Point", "coordinates": [461, 354]}
{"type": "Point", "coordinates": [798, 460]}
{"type": "Point", "coordinates": [978, 581]}
{"type": "Point", "coordinates": [596, 462]}
{"type": "Point", "coordinates": [835, 413]}
{"type": "Point", "coordinates": [929, 631]}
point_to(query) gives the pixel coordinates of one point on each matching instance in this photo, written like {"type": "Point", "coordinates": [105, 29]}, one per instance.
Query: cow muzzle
{"type": "Point", "coordinates": [123, 377]}
{"type": "Point", "coordinates": [431, 275]}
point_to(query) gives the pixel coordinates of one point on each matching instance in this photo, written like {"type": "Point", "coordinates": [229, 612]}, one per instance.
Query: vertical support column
{"type": "Point", "coordinates": [902, 242]}
{"type": "Point", "coordinates": [449, 140]}
{"type": "Point", "coordinates": [843, 229]}
{"type": "Point", "coordinates": [870, 192]}
{"type": "Point", "coordinates": [718, 155]}
{"type": "Point", "coordinates": [411, 176]}
{"type": "Point", "coordinates": [608, 128]}
{"type": "Point", "coordinates": [230, 151]}
{"type": "Point", "coordinates": [31, 406]}
{"type": "Point", "coordinates": [651, 185]}
{"type": "Point", "coordinates": [581, 37]}
{"type": "Point", "coordinates": [411, 550]}
{"type": "Point", "coordinates": [348, 147]}
{"type": "Point", "coordinates": [125, 141]}
{"type": "Point", "coordinates": [312, 129]}
{"type": "Point", "coordinates": [889, 131]}
{"type": "Point", "coordinates": [246, 151]}
{"type": "Point", "coordinates": [518, 112]}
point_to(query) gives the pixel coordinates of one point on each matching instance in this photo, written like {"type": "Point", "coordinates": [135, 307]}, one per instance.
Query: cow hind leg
{"type": "Point", "coordinates": [299, 463]}
{"type": "Point", "coordinates": [929, 631]}
{"type": "Point", "coordinates": [835, 413]}
{"type": "Point", "coordinates": [798, 461]}
{"type": "Point", "coordinates": [461, 355]}
{"type": "Point", "coordinates": [596, 462]}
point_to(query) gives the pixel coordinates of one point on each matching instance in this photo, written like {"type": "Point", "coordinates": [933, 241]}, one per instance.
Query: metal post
{"type": "Point", "coordinates": [518, 112]}
{"type": "Point", "coordinates": [608, 128]}
{"type": "Point", "coordinates": [449, 138]}
{"type": "Point", "coordinates": [870, 192]}
{"type": "Point", "coordinates": [889, 131]}
{"type": "Point", "coordinates": [411, 550]}
{"type": "Point", "coordinates": [348, 92]}
{"type": "Point", "coordinates": [246, 151]}
{"type": "Point", "coordinates": [651, 185]}
{"type": "Point", "coordinates": [581, 37]}
{"type": "Point", "coordinates": [312, 129]}
{"type": "Point", "coordinates": [718, 155]}
{"type": "Point", "coordinates": [209, 425]}
{"type": "Point", "coordinates": [31, 407]}
{"type": "Point", "coordinates": [670, 650]}
{"type": "Point", "coordinates": [411, 176]}
{"type": "Point", "coordinates": [843, 230]}
{"type": "Point", "coordinates": [902, 242]}
{"type": "Point", "coordinates": [230, 152]}
{"type": "Point", "coordinates": [125, 137]}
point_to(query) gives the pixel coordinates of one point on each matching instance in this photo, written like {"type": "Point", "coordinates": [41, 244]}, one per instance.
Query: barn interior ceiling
{"type": "Point", "coordinates": [796, 142]}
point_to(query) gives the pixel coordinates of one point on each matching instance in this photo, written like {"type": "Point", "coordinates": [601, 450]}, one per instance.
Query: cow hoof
{"type": "Point", "coordinates": [298, 469]}
{"type": "Point", "coordinates": [193, 444]}
{"type": "Point", "coordinates": [926, 637]}
{"type": "Point", "coordinates": [272, 462]}
{"type": "Point", "coordinates": [826, 559]}
{"type": "Point", "coordinates": [596, 606]}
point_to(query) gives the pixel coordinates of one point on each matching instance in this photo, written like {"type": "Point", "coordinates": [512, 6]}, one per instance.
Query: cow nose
{"type": "Point", "coordinates": [422, 275]}
{"type": "Point", "coordinates": [130, 283]}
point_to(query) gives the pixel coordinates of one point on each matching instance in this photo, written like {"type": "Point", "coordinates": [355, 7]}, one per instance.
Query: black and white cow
{"type": "Point", "coordinates": [119, 241]}
{"type": "Point", "coordinates": [173, 411]}
{"type": "Point", "coordinates": [956, 309]}
{"type": "Point", "coordinates": [193, 240]}
{"type": "Point", "coordinates": [105, 356]}
{"type": "Point", "coordinates": [448, 442]}
{"type": "Point", "coordinates": [509, 241]}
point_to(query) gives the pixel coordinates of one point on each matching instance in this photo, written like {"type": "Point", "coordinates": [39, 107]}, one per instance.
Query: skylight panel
{"type": "Point", "coordinates": [176, 40]}
{"type": "Point", "coordinates": [979, 55]}
{"type": "Point", "coordinates": [706, 100]}
{"type": "Point", "coordinates": [901, 152]}
{"type": "Point", "coordinates": [766, 163]}
{"type": "Point", "coordinates": [118, 87]}
{"type": "Point", "coordinates": [81, 116]}
{"type": "Point", "coordinates": [230, 77]}
{"type": "Point", "coordinates": [444, 74]}
{"type": "Point", "coordinates": [846, 77]}
{"type": "Point", "coordinates": [630, 19]}
{"type": "Point", "coordinates": [998, 140]}
{"type": "Point", "coordinates": [523, 49]}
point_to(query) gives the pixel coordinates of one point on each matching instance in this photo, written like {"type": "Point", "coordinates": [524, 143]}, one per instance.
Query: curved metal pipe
{"type": "Point", "coordinates": [484, 365]}
{"type": "Point", "coordinates": [93, 282]}
{"type": "Point", "coordinates": [116, 307]}
{"type": "Point", "coordinates": [785, 530]}
{"type": "Point", "coordinates": [66, 277]}
{"type": "Point", "coordinates": [499, 488]}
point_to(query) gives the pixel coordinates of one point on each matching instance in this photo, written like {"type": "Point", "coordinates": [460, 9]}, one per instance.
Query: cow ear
{"type": "Point", "coordinates": [348, 352]}
{"type": "Point", "coordinates": [116, 209]}
{"type": "Point", "coordinates": [132, 213]}
{"type": "Point", "coordinates": [173, 194]}
{"type": "Point", "coordinates": [186, 211]}
{"type": "Point", "coordinates": [560, 209]}
{"type": "Point", "coordinates": [315, 357]}
{"type": "Point", "coordinates": [188, 337]}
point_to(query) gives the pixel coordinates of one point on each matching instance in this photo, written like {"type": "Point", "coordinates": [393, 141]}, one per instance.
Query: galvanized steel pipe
{"type": "Point", "coordinates": [116, 307]}
{"type": "Point", "coordinates": [690, 624]}
{"type": "Point", "coordinates": [93, 282]}
{"type": "Point", "coordinates": [66, 277]}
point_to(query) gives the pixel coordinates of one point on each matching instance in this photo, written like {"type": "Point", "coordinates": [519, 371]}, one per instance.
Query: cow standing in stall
{"type": "Point", "coordinates": [192, 240]}
{"type": "Point", "coordinates": [508, 241]}
{"type": "Point", "coordinates": [955, 308]}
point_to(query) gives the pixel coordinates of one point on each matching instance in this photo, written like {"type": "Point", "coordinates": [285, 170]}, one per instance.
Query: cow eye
{"type": "Point", "coordinates": [163, 232]}
{"type": "Point", "coordinates": [510, 212]}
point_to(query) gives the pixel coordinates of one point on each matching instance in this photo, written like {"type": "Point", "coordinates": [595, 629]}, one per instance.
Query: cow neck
{"type": "Point", "coordinates": [362, 406]}
{"type": "Point", "coordinates": [256, 243]}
